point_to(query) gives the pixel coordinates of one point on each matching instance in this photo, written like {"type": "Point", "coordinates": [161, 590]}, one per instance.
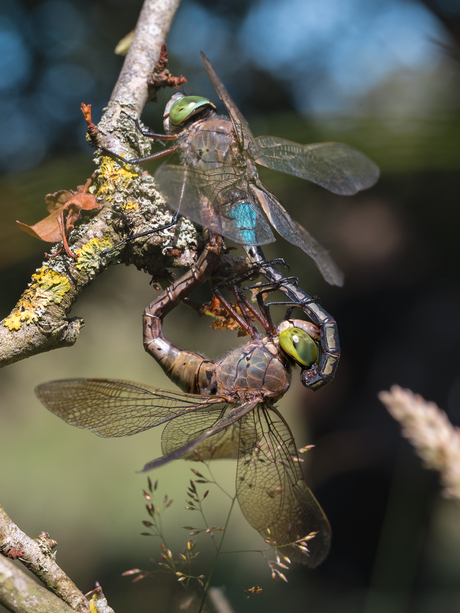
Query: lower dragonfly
{"type": "Point", "coordinates": [226, 410]}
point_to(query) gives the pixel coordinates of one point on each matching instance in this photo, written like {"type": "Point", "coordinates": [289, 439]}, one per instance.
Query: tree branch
{"type": "Point", "coordinates": [39, 322]}
{"type": "Point", "coordinates": [131, 91]}
{"type": "Point", "coordinates": [19, 592]}
{"type": "Point", "coordinates": [38, 557]}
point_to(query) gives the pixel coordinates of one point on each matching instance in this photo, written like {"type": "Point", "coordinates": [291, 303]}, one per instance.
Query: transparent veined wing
{"type": "Point", "coordinates": [217, 199]}
{"type": "Point", "coordinates": [271, 489]}
{"type": "Point", "coordinates": [240, 125]}
{"type": "Point", "coordinates": [113, 407]}
{"type": "Point", "coordinates": [227, 419]}
{"type": "Point", "coordinates": [296, 234]}
{"type": "Point", "coordinates": [223, 445]}
{"type": "Point", "coordinates": [335, 166]}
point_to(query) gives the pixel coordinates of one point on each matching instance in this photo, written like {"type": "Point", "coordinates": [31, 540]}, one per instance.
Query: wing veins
{"type": "Point", "coordinates": [113, 407]}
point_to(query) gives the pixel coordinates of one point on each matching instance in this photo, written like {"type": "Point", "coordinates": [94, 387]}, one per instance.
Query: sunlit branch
{"type": "Point", "coordinates": [39, 322]}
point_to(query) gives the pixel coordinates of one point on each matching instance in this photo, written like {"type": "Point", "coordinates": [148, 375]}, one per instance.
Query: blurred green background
{"type": "Point", "coordinates": [380, 76]}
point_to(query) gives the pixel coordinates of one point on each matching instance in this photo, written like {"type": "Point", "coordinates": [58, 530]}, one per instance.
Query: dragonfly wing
{"type": "Point", "coordinates": [186, 428]}
{"type": "Point", "coordinates": [217, 199]}
{"type": "Point", "coordinates": [271, 490]}
{"type": "Point", "coordinates": [227, 419]}
{"type": "Point", "coordinates": [297, 235]}
{"type": "Point", "coordinates": [335, 166]}
{"type": "Point", "coordinates": [240, 125]}
{"type": "Point", "coordinates": [112, 407]}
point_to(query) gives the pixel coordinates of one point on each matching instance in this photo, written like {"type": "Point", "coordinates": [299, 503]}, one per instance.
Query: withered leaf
{"type": "Point", "coordinates": [222, 320]}
{"type": "Point", "coordinates": [65, 207]}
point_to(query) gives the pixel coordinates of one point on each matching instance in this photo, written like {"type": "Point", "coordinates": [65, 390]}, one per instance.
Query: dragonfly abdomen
{"type": "Point", "coordinates": [188, 370]}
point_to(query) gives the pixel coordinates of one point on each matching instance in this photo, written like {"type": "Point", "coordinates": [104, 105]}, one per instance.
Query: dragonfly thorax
{"type": "Point", "coordinates": [209, 142]}
{"type": "Point", "coordinates": [256, 370]}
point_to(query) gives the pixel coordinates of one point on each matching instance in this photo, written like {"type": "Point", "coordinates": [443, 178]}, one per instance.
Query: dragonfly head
{"type": "Point", "coordinates": [296, 338]}
{"type": "Point", "coordinates": [180, 108]}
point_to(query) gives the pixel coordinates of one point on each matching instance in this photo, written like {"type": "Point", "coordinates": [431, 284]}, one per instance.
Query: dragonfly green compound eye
{"type": "Point", "coordinates": [298, 345]}
{"type": "Point", "coordinates": [187, 106]}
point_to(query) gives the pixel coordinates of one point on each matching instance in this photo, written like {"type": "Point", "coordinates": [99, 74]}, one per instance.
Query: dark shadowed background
{"type": "Point", "coordinates": [382, 76]}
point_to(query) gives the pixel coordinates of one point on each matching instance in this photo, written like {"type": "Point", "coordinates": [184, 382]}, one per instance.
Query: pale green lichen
{"type": "Point", "coordinates": [47, 286]}
{"type": "Point", "coordinates": [187, 236]}
{"type": "Point", "coordinates": [89, 256]}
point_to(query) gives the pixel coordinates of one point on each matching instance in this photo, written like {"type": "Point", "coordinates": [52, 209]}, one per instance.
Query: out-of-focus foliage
{"type": "Point", "coordinates": [322, 57]}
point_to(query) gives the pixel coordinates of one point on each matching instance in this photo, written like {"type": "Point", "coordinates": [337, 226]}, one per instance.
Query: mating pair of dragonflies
{"type": "Point", "coordinates": [227, 407]}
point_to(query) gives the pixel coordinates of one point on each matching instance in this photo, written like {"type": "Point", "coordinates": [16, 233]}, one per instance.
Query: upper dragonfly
{"type": "Point", "coordinates": [218, 185]}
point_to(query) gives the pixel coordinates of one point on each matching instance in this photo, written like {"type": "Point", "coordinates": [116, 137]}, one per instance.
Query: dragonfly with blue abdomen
{"type": "Point", "coordinates": [218, 186]}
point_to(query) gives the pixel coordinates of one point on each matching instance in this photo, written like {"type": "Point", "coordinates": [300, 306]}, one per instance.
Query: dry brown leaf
{"type": "Point", "coordinates": [65, 207]}
{"type": "Point", "coordinates": [222, 320]}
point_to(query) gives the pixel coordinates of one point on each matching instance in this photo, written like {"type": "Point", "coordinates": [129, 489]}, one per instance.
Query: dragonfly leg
{"type": "Point", "coordinates": [149, 133]}
{"type": "Point", "coordinates": [174, 220]}
{"type": "Point", "coordinates": [263, 316]}
{"type": "Point", "coordinates": [189, 370]}
{"type": "Point", "coordinates": [252, 270]}
{"type": "Point", "coordinates": [272, 287]}
{"type": "Point", "coordinates": [148, 158]}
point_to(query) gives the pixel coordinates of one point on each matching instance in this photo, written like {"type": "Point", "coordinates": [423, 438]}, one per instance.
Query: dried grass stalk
{"type": "Point", "coordinates": [429, 430]}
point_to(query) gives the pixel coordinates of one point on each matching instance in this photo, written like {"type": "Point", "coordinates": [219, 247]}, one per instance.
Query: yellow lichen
{"type": "Point", "coordinates": [52, 282]}
{"type": "Point", "coordinates": [131, 206]}
{"type": "Point", "coordinates": [47, 286]}
{"type": "Point", "coordinates": [89, 256]}
{"type": "Point", "coordinates": [112, 177]}
{"type": "Point", "coordinates": [16, 319]}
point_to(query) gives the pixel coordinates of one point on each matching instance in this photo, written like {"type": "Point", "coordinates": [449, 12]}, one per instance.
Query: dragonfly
{"type": "Point", "coordinates": [217, 184]}
{"type": "Point", "coordinates": [226, 409]}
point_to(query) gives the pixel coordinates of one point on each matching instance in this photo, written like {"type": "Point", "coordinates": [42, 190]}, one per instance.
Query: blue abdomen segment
{"type": "Point", "coordinates": [243, 219]}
